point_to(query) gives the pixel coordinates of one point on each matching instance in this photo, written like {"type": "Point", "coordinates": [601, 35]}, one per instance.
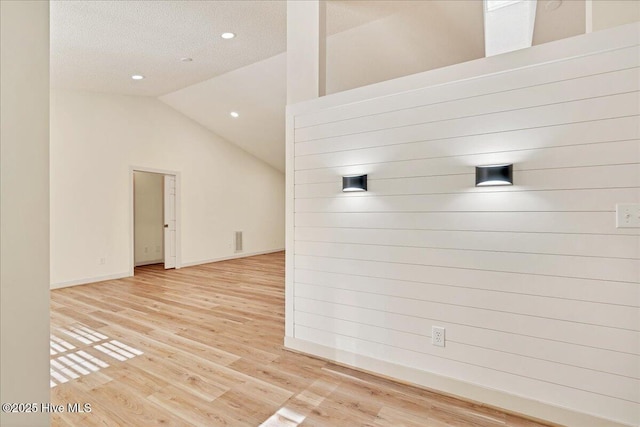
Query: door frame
{"type": "Point", "coordinates": [132, 170]}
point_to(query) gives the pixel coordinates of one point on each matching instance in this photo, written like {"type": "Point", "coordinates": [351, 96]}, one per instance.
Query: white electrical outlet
{"type": "Point", "coordinates": [103, 261]}
{"type": "Point", "coordinates": [437, 336]}
{"type": "Point", "coordinates": [628, 215]}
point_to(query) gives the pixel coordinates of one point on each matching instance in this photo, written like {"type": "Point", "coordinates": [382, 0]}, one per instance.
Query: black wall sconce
{"type": "Point", "coordinates": [494, 175]}
{"type": "Point", "coordinates": [354, 183]}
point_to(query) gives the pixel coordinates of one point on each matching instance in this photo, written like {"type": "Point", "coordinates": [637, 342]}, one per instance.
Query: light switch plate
{"type": "Point", "coordinates": [628, 215]}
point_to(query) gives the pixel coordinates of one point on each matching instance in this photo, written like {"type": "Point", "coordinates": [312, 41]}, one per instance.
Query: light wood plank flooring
{"type": "Point", "coordinates": [202, 346]}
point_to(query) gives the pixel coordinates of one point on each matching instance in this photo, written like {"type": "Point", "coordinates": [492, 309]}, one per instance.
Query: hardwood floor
{"type": "Point", "coordinates": [202, 346]}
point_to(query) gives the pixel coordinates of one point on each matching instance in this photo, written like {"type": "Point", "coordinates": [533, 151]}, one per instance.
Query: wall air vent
{"type": "Point", "coordinates": [238, 241]}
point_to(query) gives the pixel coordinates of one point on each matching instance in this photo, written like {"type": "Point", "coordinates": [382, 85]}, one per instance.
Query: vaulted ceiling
{"type": "Point", "coordinates": [97, 46]}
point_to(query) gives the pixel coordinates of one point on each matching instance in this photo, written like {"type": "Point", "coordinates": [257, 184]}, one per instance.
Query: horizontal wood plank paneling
{"type": "Point", "coordinates": [615, 339]}
{"type": "Point", "coordinates": [566, 158]}
{"type": "Point", "coordinates": [614, 362]}
{"type": "Point", "coordinates": [525, 222]}
{"type": "Point", "coordinates": [618, 316]}
{"type": "Point", "coordinates": [608, 107]}
{"type": "Point", "coordinates": [537, 289]}
{"type": "Point", "coordinates": [586, 88]}
{"type": "Point", "coordinates": [544, 138]}
{"type": "Point", "coordinates": [591, 200]}
{"type": "Point", "coordinates": [588, 245]}
{"type": "Point", "coordinates": [572, 178]}
{"type": "Point", "coordinates": [619, 293]}
{"type": "Point", "coordinates": [579, 378]}
{"type": "Point", "coordinates": [572, 68]}
{"type": "Point", "coordinates": [615, 269]}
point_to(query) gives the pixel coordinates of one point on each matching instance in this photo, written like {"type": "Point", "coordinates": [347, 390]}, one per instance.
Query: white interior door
{"type": "Point", "coordinates": [169, 221]}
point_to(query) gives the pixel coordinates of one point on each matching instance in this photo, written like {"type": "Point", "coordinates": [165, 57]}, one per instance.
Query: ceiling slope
{"type": "Point", "coordinates": [98, 45]}
{"type": "Point", "coordinates": [394, 39]}
{"type": "Point", "coordinates": [256, 92]}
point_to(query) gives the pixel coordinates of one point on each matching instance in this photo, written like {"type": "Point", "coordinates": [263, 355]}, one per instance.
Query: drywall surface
{"type": "Point", "coordinates": [535, 286]}
{"type": "Point", "coordinates": [24, 212]}
{"type": "Point", "coordinates": [95, 141]}
{"type": "Point", "coordinates": [420, 36]}
{"type": "Point", "coordinates": [611, 13]}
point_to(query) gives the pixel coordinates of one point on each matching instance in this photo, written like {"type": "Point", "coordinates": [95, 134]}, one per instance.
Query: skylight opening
{"type": "Point", "coordinates": [491, 5]}
{"type": "Point", "coordinates": [508, 25]}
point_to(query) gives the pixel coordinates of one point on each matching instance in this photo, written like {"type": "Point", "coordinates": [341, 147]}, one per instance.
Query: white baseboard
{"type": "Point", "coordinates": [235, 256]}
{"type": "Point", "coordinates": [450, 386]}
{"type": "Point", "coordinates": [88, 280]}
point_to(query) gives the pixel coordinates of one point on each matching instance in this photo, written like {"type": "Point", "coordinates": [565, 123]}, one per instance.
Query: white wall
{"type": "Point", "coordinates": [24, 208]}
{"type": "Point", "coordinates": [568, 20]}
{"type": "Point", "coordinates": [426, 35]}
{"type": "Point", "coordinates": [536, 287]}
{"type": "Point", "coordinates": [420, 36]}
{"type": "Point", "coordinates": [148, 217]}
{"type": "Point", "coordinates": [96, 138]}
{"type": "Point", "coordinates": [611, 13]}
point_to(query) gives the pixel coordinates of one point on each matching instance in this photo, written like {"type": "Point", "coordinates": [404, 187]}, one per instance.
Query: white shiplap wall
{"type": "Point", "coordinates": [537, 289]}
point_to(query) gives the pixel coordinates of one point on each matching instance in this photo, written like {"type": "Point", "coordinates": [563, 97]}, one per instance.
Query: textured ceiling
{"type": "Point", "coordinates": [97, 46]}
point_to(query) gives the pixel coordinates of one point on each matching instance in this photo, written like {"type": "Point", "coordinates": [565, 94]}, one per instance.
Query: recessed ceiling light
{"type": "Point", "coordinates": [137, 77]}
{"type": "Point", "coordinates": [234, 114]}
{"type": "Point", "coordinates": [186, 59]}
{"type": "Point", "coordinates": [227, 36]}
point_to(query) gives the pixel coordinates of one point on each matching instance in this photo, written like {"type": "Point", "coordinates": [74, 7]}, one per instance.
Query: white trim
{"type": "Point", "coordinates": [451, 386]}
{"type": "Point", "coordinates": [88, 280]}
{"type": "Point", "coordinates": [289, 225]}
{"type": "Point", "coordinates": [133, 169]}
{"type": "Point", "coordinates": [241, 255]}
{"type": "Point", "coordinates": [588, 24]}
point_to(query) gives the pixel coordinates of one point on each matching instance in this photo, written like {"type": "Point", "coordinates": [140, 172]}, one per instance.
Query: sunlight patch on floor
{"type": "Point", "coordinates": [283, 418]}
{"type": "Point", "coordinates": [73, 361]}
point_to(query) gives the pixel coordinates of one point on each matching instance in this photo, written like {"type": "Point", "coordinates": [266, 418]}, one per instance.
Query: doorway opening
{"type": "Point", "coordinates": [154, 218]}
